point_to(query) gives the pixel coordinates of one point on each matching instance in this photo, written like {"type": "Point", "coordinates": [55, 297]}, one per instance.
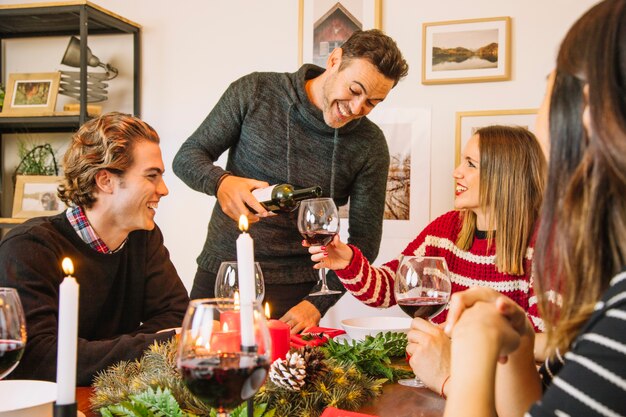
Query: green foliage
{"type": "Point", "coordinates": [36, 160]}
{"type": "Point", "coordinates": [352, 374]}
{"type": "Point", "coordinates": [125, 387]}
{"type": "Point", "coordinates": [150, 403]}
{"type": "Point", "coordinates": [373, 355]}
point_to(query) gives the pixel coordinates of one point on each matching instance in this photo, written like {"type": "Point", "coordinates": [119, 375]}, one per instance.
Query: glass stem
{"type": "Point", "coordinates": [323, 278]}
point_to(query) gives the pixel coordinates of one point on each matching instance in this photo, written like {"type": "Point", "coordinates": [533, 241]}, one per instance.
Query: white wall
{"type": "Point", "coordinates": [193, 49]}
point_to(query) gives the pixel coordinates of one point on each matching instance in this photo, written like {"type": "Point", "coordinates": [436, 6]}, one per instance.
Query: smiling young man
{"type": "Point", "coordinates": [129, 288]}
{"type": "Point", "coordinates": [306, 128]}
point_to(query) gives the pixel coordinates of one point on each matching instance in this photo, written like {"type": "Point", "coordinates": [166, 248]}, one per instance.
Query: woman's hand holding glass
{"type": "Point", "coordinates": [422, 289]}
{"type": "Point", "coordinates": [336, 255]}
{"type": "Point", "coordinates": [429, 350]}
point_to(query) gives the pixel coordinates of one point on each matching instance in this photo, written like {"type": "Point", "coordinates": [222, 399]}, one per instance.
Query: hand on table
{"type": "Point", "coordinates": [429, 348]}
{"type": "Point", "coordinates": [235, 192]}
{"type": "Point", "coordinates": [302, 316]}
{"type": "Point", "coordinates": [335, 255]}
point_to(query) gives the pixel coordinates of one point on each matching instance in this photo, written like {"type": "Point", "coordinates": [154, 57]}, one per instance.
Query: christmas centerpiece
{"type": "Point", "coordinates": [339, 374]}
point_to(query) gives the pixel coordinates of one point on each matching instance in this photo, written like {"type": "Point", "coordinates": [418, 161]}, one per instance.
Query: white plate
{"type": "Point", "coordinates": [25, 398]}
{"type": "Point", "coordinates": [359, 327]}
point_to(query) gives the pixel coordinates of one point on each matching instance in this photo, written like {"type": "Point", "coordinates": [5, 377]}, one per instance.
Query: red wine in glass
{"type": "Point", "coordinates": [10, 354]}
{"type": "Point", "coordinates": [318, 237]}
{"type": "Point", "coordinates": [422, 289]}
{"type": "Point", "coordinates": [423, 307]}
{"type": "Point", "coordinates": [12, 330]}
{"type": "Point", "coordinates": [224, 380]}
{"type": "Point", "coordinates": [220, 365]}
{"type": "Point", "coordinates": [318, 223]}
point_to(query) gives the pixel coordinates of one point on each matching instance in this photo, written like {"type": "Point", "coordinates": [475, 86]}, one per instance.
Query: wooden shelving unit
{"type": "Point", "coordinates": [68, 18]}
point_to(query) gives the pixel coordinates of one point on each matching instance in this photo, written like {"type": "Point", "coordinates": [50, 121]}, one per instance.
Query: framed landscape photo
{"type": "Point", "coordinates": [36, 195]}
{"type": "Point", "coordinates": [466, 51]}
{"type": "Point", "coordinates": [33, 94]}
{"type": "Point", "coordinates": [469, 121]}
{"type": "Point", "coordinates": [324, 25]}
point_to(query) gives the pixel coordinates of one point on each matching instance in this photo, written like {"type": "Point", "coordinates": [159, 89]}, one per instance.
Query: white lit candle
{"type": "Point", "coordinates": [245, 267]}
{"type": "Point", "coordinates": [67, 339]}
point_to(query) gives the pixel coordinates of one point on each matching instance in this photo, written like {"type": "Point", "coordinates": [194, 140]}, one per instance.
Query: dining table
{"type": "Point", "coordinates": [395, 401]}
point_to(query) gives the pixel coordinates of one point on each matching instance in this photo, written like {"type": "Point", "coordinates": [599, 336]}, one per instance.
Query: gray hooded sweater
{"type": "Point", "coordinates": [274, 133]}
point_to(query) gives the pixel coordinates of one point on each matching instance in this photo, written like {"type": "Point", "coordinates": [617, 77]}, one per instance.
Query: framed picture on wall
{"type": "Point", "coordinates": [36, 195]}
{"type": "Point", "coordinates": [31, 94]}
{"type": "Point", "coordinates": [326, 24]}
{"type": "Point", "coordinates": [469, 121]}
{"type": "Point", "coordinates": [407, 201]}
{"type": "Point", "coordinates": [466, 51]}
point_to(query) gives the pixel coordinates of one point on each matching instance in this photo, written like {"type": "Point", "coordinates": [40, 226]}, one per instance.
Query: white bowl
{"type": "Point", "coordinates": [22, 398]}
{"type": "Point", "coordinates": [359, 327]}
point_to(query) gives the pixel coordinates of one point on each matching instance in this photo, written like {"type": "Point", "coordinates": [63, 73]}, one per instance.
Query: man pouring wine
{"type": "Point", "coordinates": [306, 128]}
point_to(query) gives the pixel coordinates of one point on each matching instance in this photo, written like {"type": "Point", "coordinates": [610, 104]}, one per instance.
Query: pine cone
{"type": "Point", "coordinates": [315, 362]}
{"type": "Point", "coordinates": [290, 372]}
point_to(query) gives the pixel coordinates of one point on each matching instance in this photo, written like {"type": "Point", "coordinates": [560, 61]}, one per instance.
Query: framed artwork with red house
{"type": "Point", "coordinates": [326, 24]}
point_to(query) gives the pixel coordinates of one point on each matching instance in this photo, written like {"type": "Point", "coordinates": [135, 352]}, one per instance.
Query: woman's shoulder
{"type": "Point", "coordinates": [449, 221]}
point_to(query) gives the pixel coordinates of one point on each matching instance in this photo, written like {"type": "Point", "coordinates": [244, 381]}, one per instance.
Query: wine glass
{"type": "Point", "coordinates": [227, 282]}
{"type": "Point", "coordinates": [422, 289]}
{"type": "Point", "coordinates": [12, 330]}
{"type": "Point", "coordinates": [318, 223]}
{"type": "Point", "coordinates": [224, 351]}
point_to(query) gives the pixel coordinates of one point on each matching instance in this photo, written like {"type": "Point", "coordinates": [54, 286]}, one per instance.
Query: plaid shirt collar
{"type": "Point", "coordinates": [81, 225]}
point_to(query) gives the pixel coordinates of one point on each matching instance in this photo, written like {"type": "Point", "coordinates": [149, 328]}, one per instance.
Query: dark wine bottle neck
{"type": "Point", "coordinates": [305, 193]}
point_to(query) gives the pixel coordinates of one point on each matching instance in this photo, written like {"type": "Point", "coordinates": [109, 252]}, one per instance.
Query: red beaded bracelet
{"type": "Point", "coordinates": [443, 394]}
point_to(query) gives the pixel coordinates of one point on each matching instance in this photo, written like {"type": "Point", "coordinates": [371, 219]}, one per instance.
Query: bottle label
{"type": "Point", "coordinates": [263, 194]}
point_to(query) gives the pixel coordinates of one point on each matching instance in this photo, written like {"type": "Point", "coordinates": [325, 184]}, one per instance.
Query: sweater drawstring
{"type": "Point", "coordinates": [332, 165]}
{"type": "Point", "coordinates": [289, 143]}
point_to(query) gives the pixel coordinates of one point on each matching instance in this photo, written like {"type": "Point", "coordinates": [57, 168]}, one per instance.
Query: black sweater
{"type": "Point", "coordinates": [273, 133]}
{"type": "Point", "coordinates": [125, 297]}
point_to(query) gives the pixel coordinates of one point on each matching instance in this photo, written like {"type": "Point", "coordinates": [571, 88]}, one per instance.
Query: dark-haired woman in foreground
{"type": "Point", "coordinates": [580, 253]}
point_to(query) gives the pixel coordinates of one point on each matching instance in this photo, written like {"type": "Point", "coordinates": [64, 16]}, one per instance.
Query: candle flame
{"type": "Point", "coordinates": [243, 223]}
{"type": "Point", "coordinates": [236, 298]}
{"type": "Point", "coordinates": [225, 327]}
{"type": "Point", "coordinates": [68, 266]}
{"type": "Point", "coordinates": [267, 310]}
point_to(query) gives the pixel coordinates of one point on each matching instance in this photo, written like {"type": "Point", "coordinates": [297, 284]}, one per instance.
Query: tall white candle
{"type": "Point", "coordinates": [245, 267]}
{"type": "Point", "coordinates": [68, 336]}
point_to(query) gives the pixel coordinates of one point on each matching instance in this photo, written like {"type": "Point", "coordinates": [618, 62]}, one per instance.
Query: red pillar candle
{"type": "Point", "coordinates": [231, 319]}
{"type": "Point", "coordinates": [279, 335]}
{"type": "Point", "coordinates": [226, 341]}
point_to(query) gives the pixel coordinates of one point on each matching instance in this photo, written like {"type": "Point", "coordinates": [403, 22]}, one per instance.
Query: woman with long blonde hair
{"type": "Point", "coordinates": [487, 241]}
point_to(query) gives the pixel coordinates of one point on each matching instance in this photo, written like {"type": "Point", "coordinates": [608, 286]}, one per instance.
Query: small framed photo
{"type": "Point", "coordinates": [466, 51]}
{"type": "Point", "coordinates": [468, 122]}
{"type": "Point", "coordinates": [36, 195]}
{"type": "Point", "coordinates": [326, 24]}
{"type": "Point", "coordinates": [33, 94]}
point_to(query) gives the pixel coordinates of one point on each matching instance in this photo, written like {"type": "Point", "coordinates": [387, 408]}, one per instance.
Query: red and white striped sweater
{"type": "Point", "coordinates": [472, 268]}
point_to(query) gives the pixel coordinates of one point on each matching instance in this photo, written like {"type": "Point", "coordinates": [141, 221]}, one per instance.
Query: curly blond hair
{"type": "Point", "coordinates": [103, 143]}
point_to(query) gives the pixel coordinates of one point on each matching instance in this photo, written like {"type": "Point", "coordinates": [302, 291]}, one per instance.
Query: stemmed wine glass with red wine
{"type": "Point", "coordinates": [224, 352]}
{"type": "Point", "coordinates": [422, 289]}
{"type": "Point", "coordinates": [318, 223]}
{"type": "Point", "coordinates": [12, 330]}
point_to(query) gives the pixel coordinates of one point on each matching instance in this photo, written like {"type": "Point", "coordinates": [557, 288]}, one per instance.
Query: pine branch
{"type": "Point", "coordinates": [371, 356]}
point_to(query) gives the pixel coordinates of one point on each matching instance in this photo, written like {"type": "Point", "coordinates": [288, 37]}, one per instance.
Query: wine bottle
{"type": "Point", "coordinates": [283, 197]}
